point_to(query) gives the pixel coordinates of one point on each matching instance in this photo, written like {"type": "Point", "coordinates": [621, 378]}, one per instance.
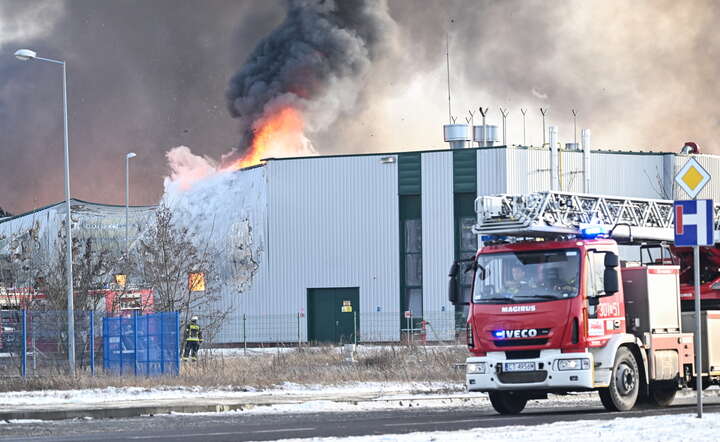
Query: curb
{"type": "Point", "coordinates": [108, 411]}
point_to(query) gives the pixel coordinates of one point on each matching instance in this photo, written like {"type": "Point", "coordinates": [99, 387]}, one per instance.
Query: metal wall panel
{"type": "Point", "coordinates": [517, 170]}
{"type": "Point", "coordinates": [634, 175]}
{"type": "Point", "coordinates": [333, 222]}
{"type": "Point", "coordinates": [571, 171]}
{"type": "Point", "coordinates": [538, 172]}
{"type": "Point", "coordinates": [491, 171]}
{"type": "Point", "coordinates": [438, 234]}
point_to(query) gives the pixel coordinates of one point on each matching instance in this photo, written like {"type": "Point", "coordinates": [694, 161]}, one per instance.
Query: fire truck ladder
{"type": "Point", "coordinates": [548, 214]}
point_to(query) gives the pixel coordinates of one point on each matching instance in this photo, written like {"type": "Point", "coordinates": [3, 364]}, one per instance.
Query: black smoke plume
{"type": "Point", "coordinates": [321, 52]}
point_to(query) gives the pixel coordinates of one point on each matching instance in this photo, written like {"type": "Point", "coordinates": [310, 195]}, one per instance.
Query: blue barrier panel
{"type": "Point", "coordinates": [142, 345]}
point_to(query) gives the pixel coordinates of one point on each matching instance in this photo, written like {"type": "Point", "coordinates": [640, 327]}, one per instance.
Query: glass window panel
{"type": "Point", "coordinates": [413, 269]}
{"type": "Point", "coordinates": [414, 301]}
{"type": "Point", "coordinates": [413, 236]}
{"type": "Point", "coordinates": [468, 240]}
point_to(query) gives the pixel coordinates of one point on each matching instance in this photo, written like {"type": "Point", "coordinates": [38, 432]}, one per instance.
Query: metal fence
{"type": "Point", "coordinates": [142, 345]}
{"type": "Point", "coordinates": [292, 329]}
{"type": "Point", "coordinates": [35, 342]}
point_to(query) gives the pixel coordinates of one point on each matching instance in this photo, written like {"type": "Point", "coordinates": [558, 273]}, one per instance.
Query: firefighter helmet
{"type": "Point", "coordinates": [194, 319]}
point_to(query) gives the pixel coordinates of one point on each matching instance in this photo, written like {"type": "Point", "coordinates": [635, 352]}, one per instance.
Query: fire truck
{"type": "Point", "coordinates": [575, 292]}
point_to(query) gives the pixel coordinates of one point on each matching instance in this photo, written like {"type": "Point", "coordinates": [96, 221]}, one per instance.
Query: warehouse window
{"type": "Point", "coordinates": [413, 266]}
{"type": "Point", "coordinates": [411, 277]}
{"type": "Point", "coordinates": [465, 247]}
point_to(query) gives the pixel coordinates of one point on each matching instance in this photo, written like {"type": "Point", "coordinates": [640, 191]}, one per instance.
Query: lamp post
{"type": "Point", "coordinates": [127, 202]}
{"type": "Point", "coordinates": [26, 55]}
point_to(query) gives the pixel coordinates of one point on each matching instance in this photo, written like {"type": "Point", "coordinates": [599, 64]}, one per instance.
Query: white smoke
{"type": "Point", "coordinates": [34, 19]}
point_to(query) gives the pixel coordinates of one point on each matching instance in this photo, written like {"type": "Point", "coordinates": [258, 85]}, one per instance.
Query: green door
{"type": "Point", "coordinates": [333, 314]}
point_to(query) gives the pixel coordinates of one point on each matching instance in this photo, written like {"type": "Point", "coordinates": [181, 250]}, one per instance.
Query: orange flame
{"type": "Point", "coordinates": [277, 133]}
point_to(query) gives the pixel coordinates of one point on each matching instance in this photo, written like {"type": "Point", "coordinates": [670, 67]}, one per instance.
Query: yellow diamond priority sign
{"type": "Point", "coordinates": [692, 178]}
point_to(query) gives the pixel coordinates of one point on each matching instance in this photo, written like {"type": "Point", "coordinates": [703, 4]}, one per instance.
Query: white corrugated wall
{"type": "Point", "coordinates": [438, 240]}
{"type": "Point", "coordinates": [634, 175]}
{"type": "Point", "coordinates": [333, 222]}
{"type": "Point", "coordinates": [492, 170]}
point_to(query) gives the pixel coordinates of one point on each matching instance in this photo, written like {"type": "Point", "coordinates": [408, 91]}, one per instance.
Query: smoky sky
{"type": "Point", "coordinates": [148, 76]}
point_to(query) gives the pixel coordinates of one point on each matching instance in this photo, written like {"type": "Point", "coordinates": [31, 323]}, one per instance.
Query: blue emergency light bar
{"type": "Point", "coordinates": [592, 232]}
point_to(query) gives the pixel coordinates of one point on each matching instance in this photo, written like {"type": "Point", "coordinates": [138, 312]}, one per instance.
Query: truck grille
{"type": "Point", "coordinates": [522, 377]}
{"type": "Point", "coordinates": [520, 342]}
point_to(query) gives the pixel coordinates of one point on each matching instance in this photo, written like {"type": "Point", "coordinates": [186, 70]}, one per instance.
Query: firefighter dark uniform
{"type": "Point", "coordinates": [193, 338]}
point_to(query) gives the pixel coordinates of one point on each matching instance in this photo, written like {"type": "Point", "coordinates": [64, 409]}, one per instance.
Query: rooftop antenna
{"type": "Point", "coordinates": [452, 119]}
{"type": "Point", "coordinates": [483, 112]}
{"type": "Point", "coordinates": [543, 112]}
{"type": "Point", "coordinates": [523, 111]}
{"type": "Point", "coordinates": [574, 127]}
{"type": "Point", "coordinates": [504, 113]}
{"type": "Point", "coordinates": [447, 59]}
{"type": "Point", "coordinates": [472, 118]}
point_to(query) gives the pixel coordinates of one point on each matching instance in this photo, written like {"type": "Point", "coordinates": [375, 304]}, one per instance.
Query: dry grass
{"type": "Point", "coordinates": [317, 365]}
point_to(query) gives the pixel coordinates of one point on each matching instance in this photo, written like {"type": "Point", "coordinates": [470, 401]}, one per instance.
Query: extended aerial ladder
{"type": "Point", "coordinates": [548, 214]}
{"type": "Point", "coordinates": [643, 222]}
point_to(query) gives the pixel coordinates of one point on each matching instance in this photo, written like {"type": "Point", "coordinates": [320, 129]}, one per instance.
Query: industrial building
{"type": "Point", "coordinates": [344, 246]}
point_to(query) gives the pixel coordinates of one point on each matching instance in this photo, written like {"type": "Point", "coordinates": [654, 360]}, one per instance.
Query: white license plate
{"type": "Point", "coordinates": [519, 366]}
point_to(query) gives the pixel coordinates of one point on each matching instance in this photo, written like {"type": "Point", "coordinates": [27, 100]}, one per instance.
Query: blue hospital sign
{"type": "Point", "coordinates": [693, 223]}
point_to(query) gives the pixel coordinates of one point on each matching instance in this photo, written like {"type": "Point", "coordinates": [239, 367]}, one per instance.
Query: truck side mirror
{"type": "Point", "coordinates": [452, 285]}
{"type": "Point", "coordinates": [453, 291]}
{"type": "Point", "coordinates": [611, 260]}
{"type": "Point", "coordinates": [610, 280]}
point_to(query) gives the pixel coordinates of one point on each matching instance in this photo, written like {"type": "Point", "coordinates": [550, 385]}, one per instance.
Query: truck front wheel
{"type": "Point", "coordinates": [508, 402]}
{"type": "Point", "coordinates": [622, 393]}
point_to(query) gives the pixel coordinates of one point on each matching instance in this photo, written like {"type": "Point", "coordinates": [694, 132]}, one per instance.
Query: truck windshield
{"type": "Point", "coordinates": [514, 277]}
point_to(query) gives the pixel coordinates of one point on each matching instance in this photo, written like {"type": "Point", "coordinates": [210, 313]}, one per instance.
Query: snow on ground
{"type": "Point", "coordinates": [681, 427]}
{"type": "Point", "coordinates": [113, 394]}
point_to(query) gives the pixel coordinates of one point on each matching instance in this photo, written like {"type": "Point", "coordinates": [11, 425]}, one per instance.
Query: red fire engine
{"type": "Point", "coordinates": [554, 309]}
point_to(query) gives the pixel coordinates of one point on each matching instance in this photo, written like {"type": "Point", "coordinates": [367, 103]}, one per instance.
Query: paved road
{"type": "Point", "coordinates": [244, 427]}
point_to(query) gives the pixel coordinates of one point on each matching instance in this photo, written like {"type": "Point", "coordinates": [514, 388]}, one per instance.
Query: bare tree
{"type": "Point", "coordinates": [180, 272]}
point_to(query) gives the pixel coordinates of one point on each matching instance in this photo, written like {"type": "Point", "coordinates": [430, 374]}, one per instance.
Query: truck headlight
{"type": "Point", "coordinates": [476, 368]}
{"type": "Point", "coordinates": [573, 364]}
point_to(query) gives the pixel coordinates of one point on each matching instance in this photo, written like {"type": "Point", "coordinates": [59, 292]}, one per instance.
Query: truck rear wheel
{"type": "Point", "coordinates": [508, 402]}
{"type": "Point", "coordinates": [663, 393]}
{"type": "Point", "coordinates": [622, 393]}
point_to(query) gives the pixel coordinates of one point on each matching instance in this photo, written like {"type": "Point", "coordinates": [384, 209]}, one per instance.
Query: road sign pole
{"type": "Point", "coordinates": [698, 331]}
{"type": "Point", "coordinates": [692, 178]}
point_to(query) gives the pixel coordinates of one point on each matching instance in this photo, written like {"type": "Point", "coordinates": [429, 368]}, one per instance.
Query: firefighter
{"type": "Point", "coordinates": [193, 338]}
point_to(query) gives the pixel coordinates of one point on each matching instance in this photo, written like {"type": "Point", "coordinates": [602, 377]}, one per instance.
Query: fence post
{"type": "Point", "coordinates": [32, 340]}
{"type": "Point", "coordinates": [135, 344]}
{"type": "Point", "coordinates": [298, 324]}
{"type": "Point", "coordinates": [92, 342]}
{"type": "Point", "coordinates": [407, 326]}
{"type": "Point", "coordinates": [355, 326]}
{"type": "Point", "coordinates": [244, 335]}
{"type": "Point", "coordinates": [177, 341]}
{"type": "Point", "coordinates": [24, 343]}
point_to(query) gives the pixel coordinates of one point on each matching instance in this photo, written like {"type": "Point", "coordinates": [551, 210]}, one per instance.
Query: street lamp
{"type": "Point", "coordinates": [127, 202]}
{"type": "Point", "coordinates": [26, 55]}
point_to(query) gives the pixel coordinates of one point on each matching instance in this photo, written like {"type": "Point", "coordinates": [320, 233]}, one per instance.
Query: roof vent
{"type": "Point", "coordinates": [486, 138]}
{"type": "Point", "coordinates": [458, 135]}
